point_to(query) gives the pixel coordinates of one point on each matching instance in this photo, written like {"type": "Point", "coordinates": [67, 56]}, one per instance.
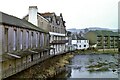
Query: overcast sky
{"type": "Point", "coordinates": [77, 13]}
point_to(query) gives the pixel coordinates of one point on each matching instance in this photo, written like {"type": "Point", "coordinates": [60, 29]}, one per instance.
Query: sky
{"type": "Point", "coordinates": [78, 14]}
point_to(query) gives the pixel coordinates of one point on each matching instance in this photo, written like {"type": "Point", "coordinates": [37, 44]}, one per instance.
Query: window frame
{"type": "Point", "coordinates": [15, 39]}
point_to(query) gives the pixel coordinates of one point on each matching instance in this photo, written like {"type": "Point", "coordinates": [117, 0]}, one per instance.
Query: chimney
{"type": "Point", "coordinates": [60, 14]}
{"type": "Point", "coordinates": [33, 15]}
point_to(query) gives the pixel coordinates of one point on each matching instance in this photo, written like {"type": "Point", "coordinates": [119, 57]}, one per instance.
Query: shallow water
{"type": "Point", "coordinates": [84, 70]}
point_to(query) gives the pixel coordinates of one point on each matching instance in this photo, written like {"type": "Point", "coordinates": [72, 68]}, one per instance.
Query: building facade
{"type": "Point", "coordinates": [69, 45]}
{"type": "Point", "coordinates": [103, 39]}
{"type": "Point", "coordinates": [57, 30]}
{"type": "Point", "coordinates": [28, 41]}
{"type": "Point", "coordinates": [107, 42]}
{"type": "Point", "coordinates": [52, 23]}
{"type": "Point", "coordinates": [22, 45]}
{"type": "Point", "coordinates": [80, 43]}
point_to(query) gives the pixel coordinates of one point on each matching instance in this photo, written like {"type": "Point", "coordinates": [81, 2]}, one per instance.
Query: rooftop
{"type": "Point", "coordinates": [77, 37]}
{"type": "Point", "coordinates": [14, 21]}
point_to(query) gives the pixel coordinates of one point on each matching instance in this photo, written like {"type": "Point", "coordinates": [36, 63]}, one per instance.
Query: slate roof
{"type": "Point", "coordinates": [47, 14]}
{"type": "Point", "coordinates": [81, 38]}
{"type": "Point", "coordinates": [14, 21]}
{"type": "Point", "coordinates": [77, 37]}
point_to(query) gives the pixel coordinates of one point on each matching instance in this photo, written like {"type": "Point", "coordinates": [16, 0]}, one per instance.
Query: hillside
{"type": "Point", "coordinates": [74, 30]}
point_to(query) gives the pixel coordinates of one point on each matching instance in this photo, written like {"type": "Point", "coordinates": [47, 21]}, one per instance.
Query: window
{"type": "Point", "coordinates": [21, 39]}
{"type": "Point", "coordinates": [32, 57]}
{"type": "Point", "coordinates": [48, 18]}
{"type": "Point", "coordinates": [87, 41]}
{"type": "Point", "coordinates": [40, 39]}
{"type": "Point", "coordinates": [31, 39]}
{"type": "Point", "coordinates": [6, 39]}
{"type": "Point", "coordinates": [36, 39]}
{"type": "Point", "coordinates": [14, 39]}
{"type": "Point", "coordinates": [42, 54]}
{"type": "Point", "coordinates": [47, 39]}
{"type": "Point", "coordinates": [58, 22]}
{"type": "Point", "coordinates": [80, 41]}
{"type": "Point", "coordinates": [79, 45]}
{"type": "Point", "coordinates": [56, 48]}
{"type": "Point", "coordinates": [84, 45]}
{"type": "Point", "coordinates": [27, 39]}
{"type": "Point", "coordinates": [51, 38]}
{"type": "Point", "coordinates": [75, 45]}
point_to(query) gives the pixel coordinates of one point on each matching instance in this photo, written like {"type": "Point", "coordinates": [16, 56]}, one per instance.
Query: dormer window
{"type": "Point", "coordinates": [49, 19]}
{"type": "Point", "coordinates": [58, 22]}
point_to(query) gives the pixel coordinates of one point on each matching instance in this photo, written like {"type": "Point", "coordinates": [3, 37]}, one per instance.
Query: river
{"type": "Point", "coordinates": [92, 66]}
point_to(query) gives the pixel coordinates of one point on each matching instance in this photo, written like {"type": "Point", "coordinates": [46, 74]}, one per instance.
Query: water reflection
{"type": "Point", "coordinates": [103, 66]}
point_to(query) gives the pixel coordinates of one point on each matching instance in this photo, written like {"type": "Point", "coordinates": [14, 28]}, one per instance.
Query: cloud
{"type": "Point", "coordinates": [76, 13]}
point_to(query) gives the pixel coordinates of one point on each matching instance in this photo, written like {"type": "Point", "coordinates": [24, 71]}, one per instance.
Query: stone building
{"type": "Point", "coordinates": [26, 42]}
{"type": "Point", "coordinates": [52, 23]}
{"type": "Point", "coordinates": [57, 30]}
{"type": "Point", "coordinates": [22, 45]}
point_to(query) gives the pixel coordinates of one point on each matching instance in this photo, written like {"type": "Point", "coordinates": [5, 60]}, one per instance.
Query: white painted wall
{"type": "Point", "coordinates": [80, 44]}
{"type": "Point", "coordinates": [83, 44]}
{"type": "Point", "coordinates": [74, 43]}
{"type": "Point", "coordinates": [59, 48]}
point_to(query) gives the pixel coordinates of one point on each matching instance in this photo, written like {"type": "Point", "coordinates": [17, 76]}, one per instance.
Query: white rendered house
{"type": "Point", "coordinates": [80, 43]}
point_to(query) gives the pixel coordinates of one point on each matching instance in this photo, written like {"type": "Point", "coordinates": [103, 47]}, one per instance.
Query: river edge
{"type": "Point", "coordinates": [97, 51]}
{"type": "Point", "coordinates": [46, 69]}
{"type": "Point", "coordinates": [53, 66]}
